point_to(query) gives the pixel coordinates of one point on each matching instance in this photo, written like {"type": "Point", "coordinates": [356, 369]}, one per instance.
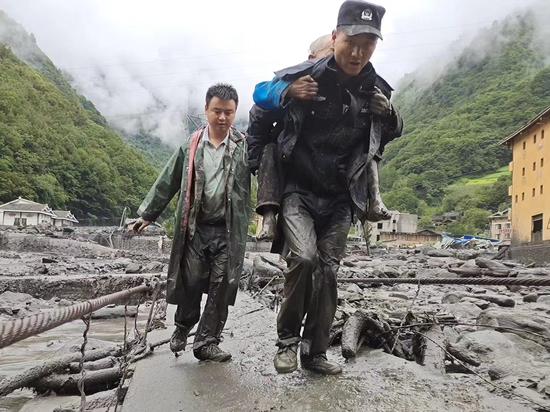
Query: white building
{"type": "Point", "coordinates": [398, 223]}
{"type": "Point", "coordinates": [501, 226]}
{"type": "Point", "coordinates": [23, 212]}
{"type": "Point", "coordinates": [64, 218]}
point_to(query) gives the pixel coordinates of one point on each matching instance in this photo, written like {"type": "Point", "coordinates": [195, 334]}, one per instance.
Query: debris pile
{"type": "Point", "coordinates": [497, 333]}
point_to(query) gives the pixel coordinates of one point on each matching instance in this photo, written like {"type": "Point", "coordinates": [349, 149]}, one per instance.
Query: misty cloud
{"type": "Point", "coordinates": [146, 65]}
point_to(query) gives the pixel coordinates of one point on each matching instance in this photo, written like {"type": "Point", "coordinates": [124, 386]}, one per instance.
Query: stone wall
{"type": "Point", "coordinates": [537, 253]}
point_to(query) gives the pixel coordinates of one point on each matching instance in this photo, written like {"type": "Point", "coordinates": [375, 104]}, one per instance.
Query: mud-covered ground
{"type": "Point", "coordinates": [512, 348]}
{"type": "Point", "coordinates": [42, 271]}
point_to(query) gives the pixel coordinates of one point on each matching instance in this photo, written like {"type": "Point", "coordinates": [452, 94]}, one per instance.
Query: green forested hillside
{"type": "Point", "coordinates": [54, 147]}
{"type": "Point", "coordinates": [453, 123]}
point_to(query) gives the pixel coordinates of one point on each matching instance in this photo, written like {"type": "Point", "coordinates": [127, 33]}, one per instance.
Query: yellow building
{"type": "Point", "coordinates": [530, 190]}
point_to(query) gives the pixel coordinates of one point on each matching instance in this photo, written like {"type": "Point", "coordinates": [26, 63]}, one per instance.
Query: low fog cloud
{"type": "Point", "coordinates": [145, 65]}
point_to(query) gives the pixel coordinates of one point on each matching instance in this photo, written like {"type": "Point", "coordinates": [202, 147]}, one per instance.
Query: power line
{"type": "Point", "coordinates": [255, 51]}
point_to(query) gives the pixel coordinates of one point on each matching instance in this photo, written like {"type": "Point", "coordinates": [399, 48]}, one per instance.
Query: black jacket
{"type": "Point", "coordinates": [285, 125]}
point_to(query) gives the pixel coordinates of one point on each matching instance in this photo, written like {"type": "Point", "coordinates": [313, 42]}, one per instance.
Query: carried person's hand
{"type": "Point", "coordinates": [305, 88]}
{"type": "Point", "coordinates": [140, 225]}
{"type": "Point", "coordinates": [379, 104]}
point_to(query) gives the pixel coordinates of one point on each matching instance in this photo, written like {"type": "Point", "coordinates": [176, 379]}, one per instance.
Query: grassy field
{"type": "Point", "coordinates": [487, 179]}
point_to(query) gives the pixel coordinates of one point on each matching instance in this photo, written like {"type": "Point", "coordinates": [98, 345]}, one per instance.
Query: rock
{"type": "Point", "coordinates": [153, 267]}
{"type": "Point", "coordinates": [467, 254]}
{"type": "Point", "coordinates": [399, 295]}
{"type": "Point", "coordinates": [496, 373]}
{"type": "Point", "coordinates": [344, 295]}
{"type": "Point", "coordinates": [354, 288]}
{"type": "Point", "coordinates": [438, 253]}
{"type": "Point", "coordinates": [524, 323]}
{"type": "Point", "coordinates": [544, 386]}
{"type": "Point", "coordinates": [392, 273]}
{"type": "Point", "coordinates": [121, 262]}
{"type": "Point", "coordinates": [452, 297]}
{"type": "Point", "coordinates": [482, 304]}
{"type": "Point", "coordinates": [531, 297]}
{"type": "Point", "coordinates": [545, 300]}
{"type": "Point", "coordinates": [133, 268]}
{"type": "Point", "coordinates": [504, 301]}
{"type": "Point", "coordinates": [464, 310]}
{"type": "Point", "coordinates": [48, 260]}
{"type": "Point", "coordinates": [43, 270]}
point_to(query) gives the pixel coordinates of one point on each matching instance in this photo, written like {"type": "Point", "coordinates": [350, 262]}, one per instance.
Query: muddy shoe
{"type": "Point", "coordinates": [178, 339]}
{"type": "Point", "coordinates": [212, 352]}
{"type": "Point", "coordinates": [286, 360]}
{"type": "Point", "coordinates": [320, 364]}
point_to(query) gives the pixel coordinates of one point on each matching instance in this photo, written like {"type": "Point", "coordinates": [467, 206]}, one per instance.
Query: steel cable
{"type": "Point", "coordinates": [452, 281]}
{"type": "Point", "coordinates": [18, 329]}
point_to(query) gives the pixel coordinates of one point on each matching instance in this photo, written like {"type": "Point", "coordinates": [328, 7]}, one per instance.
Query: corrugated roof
{"type": "Point", "coordinates": [527, 126]}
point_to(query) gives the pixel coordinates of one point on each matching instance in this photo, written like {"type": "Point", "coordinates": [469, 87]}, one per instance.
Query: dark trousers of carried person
{"type": "Point", "coordinates": [205, 262]}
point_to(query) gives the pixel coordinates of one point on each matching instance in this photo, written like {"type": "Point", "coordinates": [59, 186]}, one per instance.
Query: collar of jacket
{"type": "Point", "coordinates": [326, 66]}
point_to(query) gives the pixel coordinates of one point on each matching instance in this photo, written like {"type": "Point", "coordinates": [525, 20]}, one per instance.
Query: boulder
{"type": "Point", "coordinates": [133, 268]}
{"type": "Point", "coordinates": [524, 323]}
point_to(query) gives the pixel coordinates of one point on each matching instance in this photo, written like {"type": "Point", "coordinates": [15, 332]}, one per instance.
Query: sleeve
{"type": "Point", "coordinates": [260, 133]}
{"type": "Point", "coordinates": [168, 183]}
{"type": "Point", "coordinates": [269, 95]}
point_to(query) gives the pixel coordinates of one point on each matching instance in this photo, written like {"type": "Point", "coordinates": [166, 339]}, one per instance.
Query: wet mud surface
{"type": "Point", "coordinates": [38, 275]}
{"type": "Point", "coordinates": [374, 381]}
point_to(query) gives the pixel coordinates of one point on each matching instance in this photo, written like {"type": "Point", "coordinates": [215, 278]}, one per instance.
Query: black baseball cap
{"type": "Point", "coordinates": [357, 17]}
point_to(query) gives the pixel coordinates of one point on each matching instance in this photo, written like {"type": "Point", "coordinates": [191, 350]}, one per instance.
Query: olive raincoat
{"type": "Point", "coordinates": [178, 176]}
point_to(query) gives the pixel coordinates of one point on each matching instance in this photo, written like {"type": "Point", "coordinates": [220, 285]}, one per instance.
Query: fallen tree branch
{"type": "Point", "coordinates": [25, 379]}
{"type": "Point", "coordinates": [94, 381]}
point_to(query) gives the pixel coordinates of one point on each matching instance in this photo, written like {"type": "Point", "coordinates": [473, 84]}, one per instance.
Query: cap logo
{"type": "Point", "coordinates": [366, 15]}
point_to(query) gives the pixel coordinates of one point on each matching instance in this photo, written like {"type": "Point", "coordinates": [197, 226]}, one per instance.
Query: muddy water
{"type": "Point", "coordinates": [24, 354]}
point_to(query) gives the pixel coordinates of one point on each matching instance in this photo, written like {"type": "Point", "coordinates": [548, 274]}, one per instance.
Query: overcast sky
{"type": "Point", "coordinates": [157, 58]}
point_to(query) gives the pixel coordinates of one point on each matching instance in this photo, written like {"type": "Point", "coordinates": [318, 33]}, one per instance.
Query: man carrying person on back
{"type": "Point", "coordinates": [323, 151]}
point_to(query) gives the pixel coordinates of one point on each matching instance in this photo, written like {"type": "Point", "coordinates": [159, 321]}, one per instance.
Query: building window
{"type": "Point", "coordinates": [541, 189]}
{"type": "Point", "coordinates": [523, 171]}
{"type": "Point", "coordinates": [523, 145]}
{"type": "Point", "coordinates": [516, 198]}
{"type": "Point", "coordinates": [533, 192]}
{"type": "Point", "coordinates": [542, 162]}
{"type": "Point", "coordinates": [497, 236]}
{"type": "Point", "coordinates": [534, 165]}
{"type": "Point", "coordinates": [380, 225]}
{"type": "Point", "coordinates": [535, 138]}
{"type": "Point", "coordinates": [499, 226]}
{"type": "Point", "coordinates": [20, 221]}
{"type": "Point", "coordinates": [536, 228]}
{"type": "Point", "coordinates": [522, 195]}
{"type": "Point", "coordinates": [378, 238]}
{"type": "Point", "coordinates": [542, 134]}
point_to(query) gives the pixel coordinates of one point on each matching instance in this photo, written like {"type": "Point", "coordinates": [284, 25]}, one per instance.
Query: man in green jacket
{"type": "Point", "coordinates": [210, 172]}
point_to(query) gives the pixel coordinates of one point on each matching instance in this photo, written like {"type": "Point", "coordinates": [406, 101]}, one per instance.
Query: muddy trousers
{"type": "Point", "coordinates": [205, 266]}
{"type": "Point", "coordinates": [269, 187]}
{"type": "Point", "coordinates": [315, 230]}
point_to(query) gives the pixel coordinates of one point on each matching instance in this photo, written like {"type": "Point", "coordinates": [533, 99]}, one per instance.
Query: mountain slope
{"type": "Point", "coordinates": [55, 147]}
{"type": "Point", "coordinates": [453, 123]}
